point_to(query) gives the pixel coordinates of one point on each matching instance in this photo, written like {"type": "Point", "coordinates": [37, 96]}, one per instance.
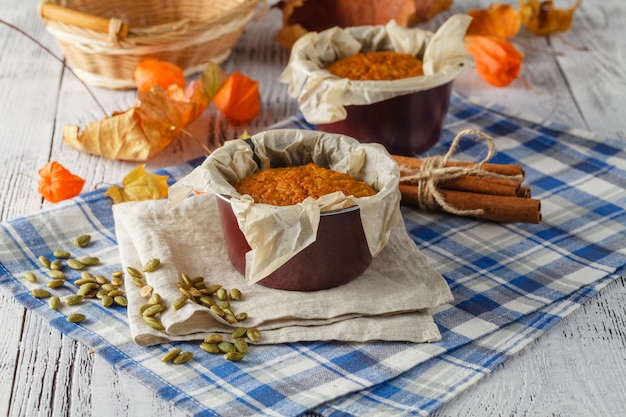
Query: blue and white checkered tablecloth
{"type": "Point", "coordinates": [511, 282]}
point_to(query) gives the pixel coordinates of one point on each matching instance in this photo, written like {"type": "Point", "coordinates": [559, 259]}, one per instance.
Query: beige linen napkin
{"type": "Point", "coordinates": [387, 302]}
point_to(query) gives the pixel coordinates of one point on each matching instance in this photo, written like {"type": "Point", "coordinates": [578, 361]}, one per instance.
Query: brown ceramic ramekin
{"type": "Point", "coordinates": [339, 254]}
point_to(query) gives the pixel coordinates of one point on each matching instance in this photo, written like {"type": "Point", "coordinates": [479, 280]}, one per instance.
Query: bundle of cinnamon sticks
{"type": "Point", "coordinates": [497, 199]}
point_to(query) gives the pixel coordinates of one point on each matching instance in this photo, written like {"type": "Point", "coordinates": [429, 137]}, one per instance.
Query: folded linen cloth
{"type": "Point", "coordinates": [389, 301]}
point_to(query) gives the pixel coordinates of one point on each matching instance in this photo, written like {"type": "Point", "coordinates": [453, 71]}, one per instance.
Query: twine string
{"type": "Point", "coordinates": [434, 170]}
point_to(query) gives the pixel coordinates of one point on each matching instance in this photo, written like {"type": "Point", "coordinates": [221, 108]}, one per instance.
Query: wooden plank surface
{"type": "Point", "coordinates": [577, 369]}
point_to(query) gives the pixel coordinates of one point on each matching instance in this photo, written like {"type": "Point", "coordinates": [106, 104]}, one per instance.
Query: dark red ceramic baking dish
{"type": "Point", "coordinates": [406, 125]}
{"type": "Point", "coordinates": [339, 254]}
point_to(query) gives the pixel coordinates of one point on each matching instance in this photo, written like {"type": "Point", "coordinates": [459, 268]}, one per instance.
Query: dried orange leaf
{"type": "Point", "coordinates": [541, 18]}
{"type": "Point", "coordinates": [139, 185]}
{"type": "Point", "coordinates": [497, 60]}
{"type": "Point", "coordinates": [238, 99]}
{"type": "Point", "coordinates": [499, 20]}
{"type": "Point", "coordinates": [56, 183]}
{"type": "Point", "coordinates": [146, 129]}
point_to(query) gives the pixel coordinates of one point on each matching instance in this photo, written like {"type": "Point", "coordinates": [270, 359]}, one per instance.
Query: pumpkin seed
{"type": "Point", "coordinates": [230, 318]}
{"type": "Point", "coordinates": [194, 292]}
{"type": "Point", "coordinates": [120, 300]}
{"type": "Point", "coordinates": [55, 283]}
{"type": "Point", "coordinates": [76, 318]}
{"type": "Point", "coordinates": [117, 274]}
{"type": "Point", "coordinates": [241, 316]}
{"type": "Point", "coordinates": [145, 291]}
{"type": "Point", "coordinates": [117, 281]}
{"type": "Point", "coordinates": [74, 299]}
{"type": "Point", "coordinates": [213, 338]}
{"type": "Point", "coordinates": [109, 287]}
{"type": "Point", "coordinates": [224, 305]}
{"type": "Point", "coordinates": [233, 356]}
{"type": "Point", "coordinates": [210, 290]}
{"type": "Point", "coordinates": [87, 288]}
{"type": "Point", "coordinates": [241, 345]}
{"type": "Point", "coordinates": [197, 280]}
{"type": "Point", "coordinates": [217, 310]}
{"type": "Point", "coordinates": [239, 332]}
{"type": "Point", "coordinates": [156, 298]}
{"type": "Point", "coordinates": [40, 293]}
{"type": "Point", "coordinates": [56, 264]}
{"type": "Point", "coordinates": [54, 302]}
{"type": "Point", "coordinates": [186, 280]}
{"type": "Point", "coordinates": [180, 302]}
{"type": "Point", "coordinates": [56, 274]}
{"type": "Point", "coordinates": [100, 294]}
{"type": "Point", "coordinates": [253, 334]}
{"type": "Point", "coordinates": [43, 261]}
{"type": "Point", "coordinates": [169, 356]}
{"type": "Point", "coordinates": [153, 322]}
{"type": "Point", "coordinates": [209, 347]}
{"type": "Point", "coordinates": [101, 279]}
{"type": "Point", "coordinates": [225, 347]}
{"type": "Point", "coordinates": [139, 282]}
{"type": "Point", "coordinates": [82, 241]}
{"type": "Point", "coordinates": [153, 310]}
{"type": "Point", "coordinates": [228, 312]}
{"type": "Point", "coordinates": [151, 265]}
{"type": "Point", "coordinates": [206, 301]}
{"type": "Point", "coordinates": [183, 357]}
{"type": "Point", "coordinates": [75, 264]}
{"type": "Point", "coordinates": [143, 308]}
{"type": "Point", "coordinates": [106, 301]}
{"type": "Point", "coordinates": [61, 254]}
{"type": "Point", "coordinates": [222, 294]}
{"type": "Point", "coordinates": [90, 260]}
{"type": "Point", "coordinates": [235, 294]}
{"type": "Point", "coordinates": [134, 272]}
{"type": "Point", "coordinates": [115, 293]}
{"type": "Point", "coordinates": [82, 281]}
{"type": "Point", "coordinates": [30, 277]}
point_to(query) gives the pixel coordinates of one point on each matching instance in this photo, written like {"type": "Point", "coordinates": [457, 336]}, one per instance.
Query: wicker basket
{"type": "Point", "coordinates": [104, 40]}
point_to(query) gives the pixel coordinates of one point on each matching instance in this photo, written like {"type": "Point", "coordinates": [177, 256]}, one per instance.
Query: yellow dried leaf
{"type": "Point", "coordinates": [139, 185]}
{"type": "Point", "coordinates": [541, 18]}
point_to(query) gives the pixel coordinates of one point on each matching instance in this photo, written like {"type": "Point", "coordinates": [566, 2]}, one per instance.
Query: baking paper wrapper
{"type": "Point", "coordinates": [276, 234]}
{"type": "Point", "coordinates": [322, 96]}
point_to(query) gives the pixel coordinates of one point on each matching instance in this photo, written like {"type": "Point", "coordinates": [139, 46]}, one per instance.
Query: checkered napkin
{"type": "Point", "coordinates": [389, 301]}
{"type": "Point", "coordinates": [511, 282]}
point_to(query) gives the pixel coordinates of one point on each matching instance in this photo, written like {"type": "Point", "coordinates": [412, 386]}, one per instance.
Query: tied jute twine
{"type": "Point", "coordinates": [434, 170]}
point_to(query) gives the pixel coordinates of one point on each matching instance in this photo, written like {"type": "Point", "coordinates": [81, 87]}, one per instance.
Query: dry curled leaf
{"type": "Point", "coordinates": [300, 16]}
{"type": "Point", "coordinates": [146, 129]}
{"type": "Point", "coordinates": [541, 18]}
{"type": "Point", "coordinates": [139, 185]}
{"type": "Point", "coordinates": [57, 183]}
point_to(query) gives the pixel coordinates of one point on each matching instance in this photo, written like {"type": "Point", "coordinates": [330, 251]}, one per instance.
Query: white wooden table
{"type": "Point", "coordinates": [577, 369]}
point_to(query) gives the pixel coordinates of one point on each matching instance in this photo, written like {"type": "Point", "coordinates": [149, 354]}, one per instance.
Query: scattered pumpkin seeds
{"type": "Point", "coordinates": [233, 356]}
{"type": "Point", "coordinates": [106, 301]}
{"type": "Point", "coordinates": [30, 277]}
{"type": "Point", "coordinates": [151, 265]}
{"type": "Point", "coordinates": [209, 347]}
{"type": "Point", "coordinates": [54, 302]}
{"type": "Point", "coordinates": [154, 322]}
{"type": "Point", "coordinates": [75, 264]}
{"type": "Point", "coordinates": [74, 299]}
{"type": "Point", "coordinates": [153, 310]}
{"type": "Point", "coordinates": [86, 288]}
{"type": "Point", "coordinates": [170, 355]}
{"type": "Point", "coordinates": [76, 318]}
{"type": "Point", "coordinates": [183, 357]}
{"type": "Point", "coordinates": [222, 294]}
{"type": "Point", "coordinates": [90, 260]}
{"type": "Point", "coordinates": [253, 334]}
{"type": "Point", "coordinates": [56, 264]}
{"type": "Point", "coordinates": [117, 274]}
{"type": "Point", "coordinates": [241, 316]}
{"type": "Point", "coordinates": [120, 300]}
{"type": "Point", "coordinates": [213, 338]}
{"type": "Point", "coordinates": [115, 293]}
{"type": "Point", "coordinates": [117, 281]}
{"type": "Point", "coordinates": [145, 291]}
{"type": "Point", "coordinates": [40, 293]}
{"type": "Point", "coordinates": [239, 332]}
{"type": "Point", "coordinates": [241, 345]}
{"type": "Point", "coordinates": [235, 294]}
{"type": "Point", "coordinates": [156, 298]}
{"type": "Point", "coordinates": [55, 283]}
{"type": "Point", "coordinates": [134, 272]}
{"type": "Point", "coordinates": [43, 261]}
{"type": "Point", "coordinates": [101, 279]}
{"type": "Point", "coordinates": [61, 254]}
{"type": "Point", "coordinates": [82, 241]}
{"type": "Point", "coordinates": [56, 274]}
{"type": "Point", "coordinates": [225, 347]}
{"type": "Point", "coordinates": [180, 302]}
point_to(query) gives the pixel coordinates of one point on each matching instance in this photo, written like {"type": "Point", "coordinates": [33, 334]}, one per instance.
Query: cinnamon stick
{"type": "Point", "coordinates": [503, 169]}
{"type": "Point", "coordinates": [496, 208]}
{"type": "Point", "coordinates": [477, 184]}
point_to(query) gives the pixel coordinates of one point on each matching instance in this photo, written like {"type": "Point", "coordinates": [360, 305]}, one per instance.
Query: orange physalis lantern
{"type": "Point", "coordinates": [151, 72]}
{"type": "Point", "coordinates": [238, 99]}
{"type": "Point", "coordinates": [497, 60]}
{"type": "Point", "coordinates": [56, 183]}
